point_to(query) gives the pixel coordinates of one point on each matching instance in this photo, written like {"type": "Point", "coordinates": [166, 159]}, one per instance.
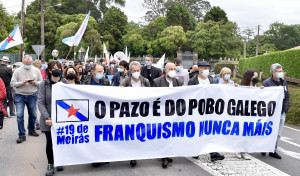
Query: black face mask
{"type": "Point", "coordinates": [56, 73]}
{"type": "Point", "coordinates": [71, 76]}
{"type": "Point", "coordinates": [255, 81]}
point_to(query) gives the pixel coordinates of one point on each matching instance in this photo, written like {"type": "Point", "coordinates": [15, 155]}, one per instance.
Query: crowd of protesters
{"type": "Point", "coordinates": [30, 85]}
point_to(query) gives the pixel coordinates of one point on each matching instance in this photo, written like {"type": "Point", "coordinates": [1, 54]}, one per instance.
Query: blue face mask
{"type": "Point", "coordinates": [227, 77]}
{"type": "Point", "coordinates": [148, 63]}
{"type": "Point", "coordinates": [99, 76]}
{"type": "Point", "coordinates": [27, 67]}
{"type": "Point", "coordinates": [178, 68]}
{"type": "Point", "coordinates": [279, 75]}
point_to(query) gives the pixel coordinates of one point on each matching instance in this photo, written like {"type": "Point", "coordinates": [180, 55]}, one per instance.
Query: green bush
{"type": "Point", "coordinates": [220, 65]}
{"type": "Point", "coordinates": [289, 59]}
{"type": "Point", "coordinates": [293, 116]}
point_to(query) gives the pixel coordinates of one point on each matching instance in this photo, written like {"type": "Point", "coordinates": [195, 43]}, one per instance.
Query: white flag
{"type": "Point", "coordinates": [160, 63]}
{"type": "Point", "coordinates": [86, 54]}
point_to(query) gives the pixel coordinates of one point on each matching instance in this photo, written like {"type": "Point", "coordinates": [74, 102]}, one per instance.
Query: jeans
{"type": "Point", "coordinates": [9, 98]}
{"type": "Point", "coordinates": [281, 124]}
{"type": "Point", "coordinates": [30, 102]}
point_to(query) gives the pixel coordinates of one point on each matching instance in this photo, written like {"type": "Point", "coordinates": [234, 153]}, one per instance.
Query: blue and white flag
{"type": "Point", "coordinates": [74, 40]}
{"type": "Point", "coordinates": [12, 40]}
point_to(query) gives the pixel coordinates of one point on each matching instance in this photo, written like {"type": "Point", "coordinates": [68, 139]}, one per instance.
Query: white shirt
{"type": "Point", "coordinates": [136, 84]}
{"type": "Point", "coordinates": [203, 81]}
{"type": "Point", "coordinates": [170, 83]}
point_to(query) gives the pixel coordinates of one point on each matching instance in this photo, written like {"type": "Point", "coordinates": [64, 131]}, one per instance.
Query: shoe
{"type": "Point", "coordinates": [165, 162]}
{"type": "Point", "coordinates": [170, 160]}
{"type": "Point", "coordinates": [132, 163]}
{"type": "Point", "coordinates": [95, 164]}
{"type": "Point", "coordinates": [263, 153]}
{"type": "Point", "coordinates": [33, 133]}
{"type": "Point", "coordinates": [275, 155]}
{"type": "Point", "coordinates": [21, 139]}
{"type": "Point", "coordinates": [12, 116]}
{"type": "Point", "coordinates": [245, 156]}
{"type": "Point", "coordinates": [50, 170]}
{"type": "Point", "coordinates": [196, 157]}
{"type": "Point", "coordinates": [60, 168]}
{"type": "Point", "coordinates": [37, 127]}
{"type": "Point", "coordinates": [6, 117]}
{"type": "Point", "coordinates": [238, 155]}
{"type": "Point", "coordinates": [216, 156]}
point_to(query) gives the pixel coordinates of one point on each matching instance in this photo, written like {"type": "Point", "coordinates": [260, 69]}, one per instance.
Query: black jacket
{"type": "Point", "coordinates": [5, 74]}
{"type": "Point", "coordinates": [89, 78]}
{"type": "Point", "coordinates": [155, 73]}
{"type": "Point", "coordinates": [194, 80]}
{"type": "Point", "coordinates": [286, 100]}
{"type": "Point", "coordinates": [162, 82]}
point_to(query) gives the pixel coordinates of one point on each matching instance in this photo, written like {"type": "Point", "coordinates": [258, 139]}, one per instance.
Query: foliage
{"type": "Point", "coordinates": [294, 110]}
{"type": "Point", "coordinates": [178, 15]}
{"type": "Point", "coordinates": [289, 59]}
{"type": "Point", "coordinates": [220, 65]}
{"type": "Point", "coordinates": [153, 29]}
{"type": "Point", "coordinates": [216, 14]}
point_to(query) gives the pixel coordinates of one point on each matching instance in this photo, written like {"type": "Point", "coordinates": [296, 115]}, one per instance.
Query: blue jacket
{"type": "Point", "coordinates": [286, 100]}
{"type": "Point", "coordinates": [116, 79]}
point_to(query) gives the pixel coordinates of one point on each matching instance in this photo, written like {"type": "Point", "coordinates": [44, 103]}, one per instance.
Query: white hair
{"type": "Point", "coordinates": [274, 67]}
{"type": "Point", "coordinates": [27, 57]}
{"type": "Point", "coordinates": [136, 63]}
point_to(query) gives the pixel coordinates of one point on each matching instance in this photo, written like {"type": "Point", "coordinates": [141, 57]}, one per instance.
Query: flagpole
{"type": "Point", "coordinates": [74, 53]}
{"type": "Point", "coordinates": [69, 52]}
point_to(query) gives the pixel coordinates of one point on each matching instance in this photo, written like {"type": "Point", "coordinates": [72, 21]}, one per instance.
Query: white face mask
{"type": "Point", "coordinates": [171, 74]}
{"type": "Point", "coordinates": [205, 73]}
{"type": "Point", "coordinates": [136, 75]}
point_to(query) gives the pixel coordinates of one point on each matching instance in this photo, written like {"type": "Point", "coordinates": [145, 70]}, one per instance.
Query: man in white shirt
{"type": "Point", "coordinates": [181, 73]}
{"type": "Point", "coordinates": [135, 79]}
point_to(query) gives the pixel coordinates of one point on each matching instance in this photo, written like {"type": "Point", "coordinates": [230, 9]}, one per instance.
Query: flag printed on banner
{"type": "Point", "coordinates": [74, 40]}
{"type": "Point", "coordinates": [12, 40]}
{"type": "Point", "coordinates": [72, 110]}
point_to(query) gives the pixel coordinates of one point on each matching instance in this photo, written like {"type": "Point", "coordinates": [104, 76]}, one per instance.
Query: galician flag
{"type": "Point", "coordinates": [12, 40]}
{"type": "Point", "coordinates": [105, 52]}
{"type": "Point", "coordinates": [74, 40]}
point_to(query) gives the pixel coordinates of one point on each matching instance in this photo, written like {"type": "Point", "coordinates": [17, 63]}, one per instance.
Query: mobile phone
{"type": "Point", "coordinates": [30, 80]}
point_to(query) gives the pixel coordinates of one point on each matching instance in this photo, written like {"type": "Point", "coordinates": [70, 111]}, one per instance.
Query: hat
{"type": "Point", "coordinates": [203, 63]}
{"type": "Point", "coordinates": [5, 59]}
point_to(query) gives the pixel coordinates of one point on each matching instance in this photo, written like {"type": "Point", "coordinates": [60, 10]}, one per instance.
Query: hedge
{"type": "Point", "coordinates": [220, 65]}
{"type": "Point", "coordinates": [293, 116]}
{"type": "Point", "coordinates": [289, 59]}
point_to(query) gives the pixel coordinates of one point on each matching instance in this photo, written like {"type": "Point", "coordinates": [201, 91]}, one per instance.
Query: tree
{"type": "Point", "coordinates": [113, 28]}
{"type": "Point", "coordinates": [216, 14]}
{"type": "Point", "coordinates": [178, 15]}
{"type": "Point", "coordinates": [232, 39]}
{"type": "Point", "coordinates": [171, 39]}
{"type": "Point", "coordinates": [103, 4]}
{"type": "Point", "coordinates": [156, 8]}
{"type": "Point", "coordinates": [153, 29]}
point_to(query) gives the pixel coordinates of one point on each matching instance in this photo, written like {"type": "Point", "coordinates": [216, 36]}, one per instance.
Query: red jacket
{"type": "Point", "coordinates": [2, 96]}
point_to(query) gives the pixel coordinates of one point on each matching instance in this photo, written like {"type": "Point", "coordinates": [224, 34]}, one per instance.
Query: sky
{"type": "Point", "coordinates": [246, 13]}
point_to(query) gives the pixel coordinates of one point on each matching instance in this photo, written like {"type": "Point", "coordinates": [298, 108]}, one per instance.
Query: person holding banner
{"type": "Point", "coordinates": [203, 77]}
{"type": "Point", "coordinates": [277, 80]}
{"type": "Point", "coordinates": [122, 73]}
{"type": "Point", "coordinates": [97, 77]}
{"type": "Point", "coordinates": [135, 80]}
{"type": "Point", "coordinates": [168, 80]}
{"type": "Point", "coordinates": [71, 75]}
{"type": "Point", "coordinates": [53, 71]}
{"type": "Point", "coordinates": [225, 75]}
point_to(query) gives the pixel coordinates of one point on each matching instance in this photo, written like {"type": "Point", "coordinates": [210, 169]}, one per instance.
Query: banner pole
{"type": "Point", "coordinates": [69, 52]}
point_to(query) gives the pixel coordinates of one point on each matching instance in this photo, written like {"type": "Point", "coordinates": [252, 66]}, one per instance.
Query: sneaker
{"type": "Point", "coordinates": [33, 133]}
{"type": "Point", "coordinates": [50, 170]}
{"type": "Point", "coordinates": [238, 155]}
{"type": "Point", "coordinates": [245, 156]}
{"type": "Point", "coordinates": [37, 127]}
{"type": "Point", "coordinates": [95, 164]}
{"type": "Point", "coordinates": [216, 156]}
{"type": "Point", "coordinates": [132, 163]}
{"type": "Point", "coordinates": [263, 153]}
{"type": "Point", "coordinates": [12, 116]}
{"type": "Point", "coordinates": [195, 157]}
{"type": "Point", "coordinates": [275, 155]}
{"type": "Point", "coordinates": [59, 168]}
{"type": "Point", "coordinates": [21, 139]}
{"type": "Point", "coordinates": [165, 162]}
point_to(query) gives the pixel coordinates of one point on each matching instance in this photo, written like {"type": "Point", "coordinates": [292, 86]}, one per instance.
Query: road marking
{"type": "Point", "coordinates": [233, 166]}
{"type": "Point", "coordinates": [287, 140]}
{"type": "Point", "coordinates": [289, 153]}
{"type": "Point", "coordinates": [292, 128]}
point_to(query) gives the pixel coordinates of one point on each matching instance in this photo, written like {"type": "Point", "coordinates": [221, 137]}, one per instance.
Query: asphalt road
{"type": "Point", "coordinates": [29, 159]}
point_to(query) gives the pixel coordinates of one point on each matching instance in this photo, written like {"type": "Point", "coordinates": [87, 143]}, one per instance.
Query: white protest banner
{"type": "Point", "coordinates": [102, 124]}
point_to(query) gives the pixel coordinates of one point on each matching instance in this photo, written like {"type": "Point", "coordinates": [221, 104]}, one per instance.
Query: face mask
{"type": "Point", "coordinates": [136, 75]}
{"type": "Point", "coordinates": [99, 76]}
{"type": "Point", "coordinates": [112, 66]}
{"type": "Point", "coordinates": [148, 63]}
{"type": "Point", "coordinates": [178, 68]}
{"type": "Point", "coordinates": [71, 76]}
{"type": "Point", "coordinates": [205, 73]}
{"type": "Point", "coordinates": [103, 63]}
{"type": "Point", "coordinates": [27, 67]}
{"type": "Point", "coordinates": [121, 70]}
{"type": "Point", "coordinates": [227, 77]}
{"type": "Point", "coordinates": [279, 75]}
{"type": "Point", "coordinates": [56, 73]}
{"type": "Point", "coordinates": [80, 73]}
{"type": "Point", "coordinates": [254, 81]}
{"type": "Point", "coordinates": [171, 74]}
